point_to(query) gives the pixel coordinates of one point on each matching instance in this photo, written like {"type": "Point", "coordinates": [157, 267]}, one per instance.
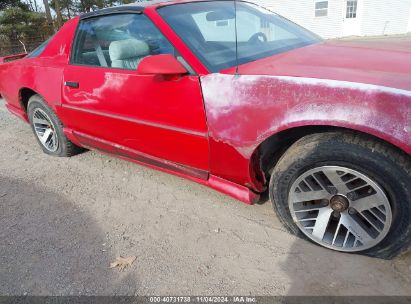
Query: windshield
{"type": "Point", "coordinates": [209, 30]}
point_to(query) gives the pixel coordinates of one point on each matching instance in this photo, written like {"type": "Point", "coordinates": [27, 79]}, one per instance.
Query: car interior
{"type": "Point", "coordinates": [110, 43]}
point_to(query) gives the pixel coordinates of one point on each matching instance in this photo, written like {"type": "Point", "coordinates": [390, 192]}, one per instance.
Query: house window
{"type": "Point", "coordinates": [321, 8]}
{"type": "Point", "coordinates": [351, 9]}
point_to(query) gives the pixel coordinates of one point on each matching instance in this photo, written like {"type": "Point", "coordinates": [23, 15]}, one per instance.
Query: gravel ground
{"type": "Point", "coordinates": [63, 220]}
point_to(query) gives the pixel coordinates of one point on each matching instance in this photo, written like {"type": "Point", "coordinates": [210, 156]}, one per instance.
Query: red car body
{"type": "Point", "coordinates": [220, 129]}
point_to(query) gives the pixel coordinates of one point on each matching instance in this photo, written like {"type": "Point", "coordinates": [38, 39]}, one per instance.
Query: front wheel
{"type": "Point", "coordinates": [346, 192]}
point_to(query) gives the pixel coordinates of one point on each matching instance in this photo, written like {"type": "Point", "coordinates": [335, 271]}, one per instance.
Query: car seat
{"type": "Point", "coordinates": [127, 54]}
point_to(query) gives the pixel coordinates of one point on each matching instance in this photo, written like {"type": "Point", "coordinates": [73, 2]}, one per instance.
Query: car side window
{"type": "Point", "coordinates": [118, 41]}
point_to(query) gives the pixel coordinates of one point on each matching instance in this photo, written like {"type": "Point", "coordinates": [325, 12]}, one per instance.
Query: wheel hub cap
{"type": "Point", "coordinates": [340, 208]}
{"type": "Point", "coordinates": [339, 203]}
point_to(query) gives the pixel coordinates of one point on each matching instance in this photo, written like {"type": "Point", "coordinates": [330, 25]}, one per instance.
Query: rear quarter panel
{"type": "Point", "coordinates": [29, 73]}
{"type": "Point", "coordinates": [42, 74]}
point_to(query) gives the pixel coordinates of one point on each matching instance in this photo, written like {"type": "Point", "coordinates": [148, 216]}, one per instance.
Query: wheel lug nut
{"type": "Point", "coordinates": [325, 202]}
{"type": "Point", "coordinates": [352, 211]}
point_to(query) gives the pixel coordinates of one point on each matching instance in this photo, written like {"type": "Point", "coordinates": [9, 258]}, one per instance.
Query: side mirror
{"type": "Point", "coordinates": [164, 64]}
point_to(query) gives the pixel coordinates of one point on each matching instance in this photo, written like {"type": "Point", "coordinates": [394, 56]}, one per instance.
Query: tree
{"type": "Point", "coordinates": [5, 4]}
{"type": "Point", "coordinates": [119, 2]}
{"type": "Point", "coordinates": [48, 14]}
{"type": "Point", "coordinates": [84, 6]}
{"type": "Point", "coordinates": [65, 7]}
{"type": "Point", "coordinates": [32, 5]}
{"type": "Point", "coordinates": [22, 26]}
{"type": "Point", "coordinates": [68, 7]}
{"type": "Point", "coordinates": [58, 13]}
{"type": "Point", "coordinates": [72, 7]}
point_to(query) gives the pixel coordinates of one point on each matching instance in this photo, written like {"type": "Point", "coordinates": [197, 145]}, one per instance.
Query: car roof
{"type": "Point", "coordinates": [137, 6]}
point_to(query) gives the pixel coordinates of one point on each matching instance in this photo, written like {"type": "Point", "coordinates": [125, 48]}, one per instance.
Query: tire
{"type": "Point", "coordinates": [366, 185]}
{"type": "Point", "coordinates": [42, 119]}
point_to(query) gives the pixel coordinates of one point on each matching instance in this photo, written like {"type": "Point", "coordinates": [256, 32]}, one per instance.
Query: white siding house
{"type": "Point", "coordinates": [409, 24]}
{"type": "Point", "coordinates": [339, 18]}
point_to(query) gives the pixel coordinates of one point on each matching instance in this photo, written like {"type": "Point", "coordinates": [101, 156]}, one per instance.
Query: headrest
{"type": "Point", "coordinates": [129, 48]}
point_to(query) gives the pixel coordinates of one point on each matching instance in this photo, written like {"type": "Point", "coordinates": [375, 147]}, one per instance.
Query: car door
{"type": "Point", "coordinates": [109, 106]}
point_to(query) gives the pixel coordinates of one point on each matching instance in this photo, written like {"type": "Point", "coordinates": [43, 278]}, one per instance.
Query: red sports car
{"type": "Point", "coordinates": [239, 99]}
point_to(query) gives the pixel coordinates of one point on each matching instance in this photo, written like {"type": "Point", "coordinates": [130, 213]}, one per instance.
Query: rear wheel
{"type": "Point", "coordinates": [48, 129]}
{"type": "Point", "coordinates": [346, 192]}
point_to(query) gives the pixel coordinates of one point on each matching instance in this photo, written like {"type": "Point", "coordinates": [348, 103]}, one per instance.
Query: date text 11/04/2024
{"type": "Point", "coordinates": [202, 299]}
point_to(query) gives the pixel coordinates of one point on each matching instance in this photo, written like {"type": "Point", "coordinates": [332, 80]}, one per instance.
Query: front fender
{"type": "Point", "coordinates": [243, 111]}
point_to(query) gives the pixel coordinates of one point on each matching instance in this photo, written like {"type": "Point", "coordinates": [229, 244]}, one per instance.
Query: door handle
{"type": "Point", "coordinates": [71, 84]}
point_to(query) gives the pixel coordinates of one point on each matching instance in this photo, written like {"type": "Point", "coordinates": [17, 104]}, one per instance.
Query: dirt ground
{"type": "Point", "coordinates": [63, 220]}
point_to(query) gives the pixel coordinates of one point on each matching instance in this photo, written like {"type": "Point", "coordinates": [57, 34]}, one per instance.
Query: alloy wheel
{"type": "Point", "coordinates": [45, 130]}
{"type": "Point", "coordinates": [340, 208]}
